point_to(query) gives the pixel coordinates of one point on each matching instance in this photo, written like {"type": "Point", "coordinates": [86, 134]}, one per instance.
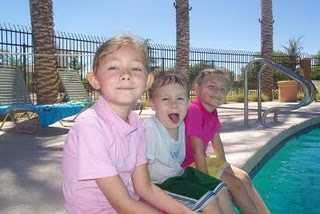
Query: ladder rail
{"type": "Point", "coordinates": [308, 90]}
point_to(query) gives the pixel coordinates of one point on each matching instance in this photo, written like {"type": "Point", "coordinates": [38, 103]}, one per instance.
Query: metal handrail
{"type": "Point", "coordinates": [307, 85]}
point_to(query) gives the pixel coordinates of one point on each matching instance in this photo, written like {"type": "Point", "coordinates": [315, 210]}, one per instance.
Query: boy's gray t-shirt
{"type": "Point", "coordinates": [164, 153]}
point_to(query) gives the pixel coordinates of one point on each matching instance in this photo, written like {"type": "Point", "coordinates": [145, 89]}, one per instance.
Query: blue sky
{"type": "Point", "coordinates": [218, 24]}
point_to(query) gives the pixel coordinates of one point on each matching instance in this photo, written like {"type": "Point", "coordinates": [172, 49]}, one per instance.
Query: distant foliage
{"type": "Point", "coordinates": [238, 96]}
{"type": "Point", "coordinates": [71, 60]}
{"type": "Point", "coordinates": [315, 74]}
{"type": "Point", "coordinates": [293, 51]}
{"type": "Point", "coordinates": [11, 60]}
{"type": "Point", "coordinates": [75, 63]}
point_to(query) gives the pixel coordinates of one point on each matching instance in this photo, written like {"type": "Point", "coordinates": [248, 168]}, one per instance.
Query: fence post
{"type": "Point", "coordinates": [305, 66]}
{"type": "Point", "coordinates": [162, 64]}
{"type": "Point", "coordinates": [24, 64]}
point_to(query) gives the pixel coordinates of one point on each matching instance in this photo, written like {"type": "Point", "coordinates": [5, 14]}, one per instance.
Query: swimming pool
{"type": "Point", "coordinates": [290, 181]}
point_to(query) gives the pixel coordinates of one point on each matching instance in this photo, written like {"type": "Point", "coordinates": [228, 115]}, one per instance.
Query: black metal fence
{"type": "Point", "coordinates": [164, 56]}
{"type": "Point", "coordinates": [76, 51]}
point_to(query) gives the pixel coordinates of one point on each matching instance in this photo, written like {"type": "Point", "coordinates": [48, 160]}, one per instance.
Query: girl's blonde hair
{"type": "Point", "coordinates": [215, 73]}
{"type": "Point", "coordinates": [164, 78]}
{"type": "Point", "coordinates": [117, 42]}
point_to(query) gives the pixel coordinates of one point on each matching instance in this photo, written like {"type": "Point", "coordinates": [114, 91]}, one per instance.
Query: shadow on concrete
{"type": "Point", "coordinates": [30, 173]}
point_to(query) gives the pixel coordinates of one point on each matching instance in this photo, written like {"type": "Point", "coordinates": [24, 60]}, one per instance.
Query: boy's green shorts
{"type": "Point", "coordinates": [192, 184]}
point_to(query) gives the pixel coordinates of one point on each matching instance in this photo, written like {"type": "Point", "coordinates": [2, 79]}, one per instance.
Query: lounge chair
{"type": "Point", "coordinates": [15, 103]}
{"type": "Point", "coordinates": [74, 89]}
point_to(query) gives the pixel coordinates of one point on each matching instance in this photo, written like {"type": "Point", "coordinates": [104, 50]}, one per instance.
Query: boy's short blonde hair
{"type": "Point", "coordinates": [117, 42]}
{"type": "Point", "coordinates": [164, 78]}
{"type": "Point", "coordinates": [214, 72]}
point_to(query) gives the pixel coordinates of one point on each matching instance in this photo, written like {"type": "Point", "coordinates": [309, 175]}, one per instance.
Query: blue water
{"type": "Point", "coordinates": [290, 181]}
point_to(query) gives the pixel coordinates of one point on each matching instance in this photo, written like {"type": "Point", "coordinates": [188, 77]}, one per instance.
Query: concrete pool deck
{"type": "Point", "coordinates": [30, 173]}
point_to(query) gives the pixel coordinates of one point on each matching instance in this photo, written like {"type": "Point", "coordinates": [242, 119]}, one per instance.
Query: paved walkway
{"type": "Point", "coordinates": [30, 164]}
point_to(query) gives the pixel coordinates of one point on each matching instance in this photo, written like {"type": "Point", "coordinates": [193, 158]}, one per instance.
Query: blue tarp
{"type": "Point", "coordinates": [4, 109]}
{"type": "Point", "coordinates": [48, 114]}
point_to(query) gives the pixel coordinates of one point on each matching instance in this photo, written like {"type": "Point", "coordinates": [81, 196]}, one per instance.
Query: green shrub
{"type": "Point", "coordinates": [315, 74]}
{"type": "Point", "coordinates": [275, 94]}
{"type": "Point", "coordinates": [238, 96]}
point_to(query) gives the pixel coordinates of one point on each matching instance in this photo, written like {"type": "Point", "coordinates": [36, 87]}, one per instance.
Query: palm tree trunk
{"type": "Point", "coordinates": [267, 45]}
{"type": "Point", "coordinates": [45, 61]}
{"type": "Point", "coordinates": [182, 35]}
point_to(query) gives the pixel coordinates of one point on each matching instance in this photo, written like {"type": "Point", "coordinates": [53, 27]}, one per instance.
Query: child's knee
{"type": "Point", "coordinates": [234, 183]}
{"type": "Point", "coordinates": [244, 177]}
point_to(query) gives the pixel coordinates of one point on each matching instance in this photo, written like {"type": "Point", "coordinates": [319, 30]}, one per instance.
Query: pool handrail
{"type": "Point", "coordinates": [307, 85]}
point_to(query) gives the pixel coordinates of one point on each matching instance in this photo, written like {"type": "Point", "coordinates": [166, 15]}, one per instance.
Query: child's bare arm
{"type": "Point", "coordinates": [115, 191]}
{"type": "Point", "coordinates": [199, 154]}
{"type": "Point", "coordinates": [218, 147]}
{"type": "Point", "coordinates": [153, 194]}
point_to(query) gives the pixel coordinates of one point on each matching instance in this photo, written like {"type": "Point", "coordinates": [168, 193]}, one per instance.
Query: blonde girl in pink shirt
{"type": "Point", "coordinates": [104, 164]}
{"type": "Point", "coordinates": [202, 126]}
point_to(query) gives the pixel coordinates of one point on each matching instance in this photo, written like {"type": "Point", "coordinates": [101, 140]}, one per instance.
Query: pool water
{"type": "Point", "coordinates": [290, 181]}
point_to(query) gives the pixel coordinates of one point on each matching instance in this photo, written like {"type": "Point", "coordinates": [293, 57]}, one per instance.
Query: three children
{"type": "Point", "coordinates": [104, 164]}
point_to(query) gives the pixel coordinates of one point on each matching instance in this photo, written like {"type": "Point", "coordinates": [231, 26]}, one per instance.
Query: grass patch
{"type": "Point", "coordinates": [238, 96]}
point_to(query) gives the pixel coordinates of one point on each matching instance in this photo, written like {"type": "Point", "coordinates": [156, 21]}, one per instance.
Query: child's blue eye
{"type": "Point", "coordinates": [212, 87]}
{"type": "Point", "coordinates": [181, 98]}
{"type": "Point", "coordinates": [164, 99]}
{"type": "Point", "coordinates": [137, 69]}
{"type": "Point", "coordinates": [112, 68]}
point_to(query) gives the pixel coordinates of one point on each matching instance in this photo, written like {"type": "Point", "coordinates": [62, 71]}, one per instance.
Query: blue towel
{"type": "Point", "coordinates": [48, 114]}
{"type": "Point", "coordinates": [5, 109]}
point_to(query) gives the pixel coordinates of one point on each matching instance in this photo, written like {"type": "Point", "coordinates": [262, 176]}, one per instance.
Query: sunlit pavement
{"type": "Point", "coordinates": [30, 174]}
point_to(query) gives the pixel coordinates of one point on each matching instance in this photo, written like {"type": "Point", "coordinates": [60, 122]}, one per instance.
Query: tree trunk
{"type": "Point", "coordinates": [267, 45]}
{"type": "Point", "coordinates": [182, 35]}
{"type": "Point", "coordinates": [45, 61]}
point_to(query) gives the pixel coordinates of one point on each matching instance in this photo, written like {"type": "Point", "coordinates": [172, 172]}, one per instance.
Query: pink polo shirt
{"type": "Point", "coordinates": [199, 123]}
{"type": "Point", "coordinates": [100, 144]}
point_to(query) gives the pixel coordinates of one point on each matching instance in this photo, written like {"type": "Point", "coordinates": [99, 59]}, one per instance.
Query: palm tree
{"type": "Point", "coordinates": [182, 35]}
{"type": "Point", "coordinates": [293, 50]}
{"type": "Point", "coordinates": [267, 44]}
{"type": "Point", "coordinates": [45, 61]}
